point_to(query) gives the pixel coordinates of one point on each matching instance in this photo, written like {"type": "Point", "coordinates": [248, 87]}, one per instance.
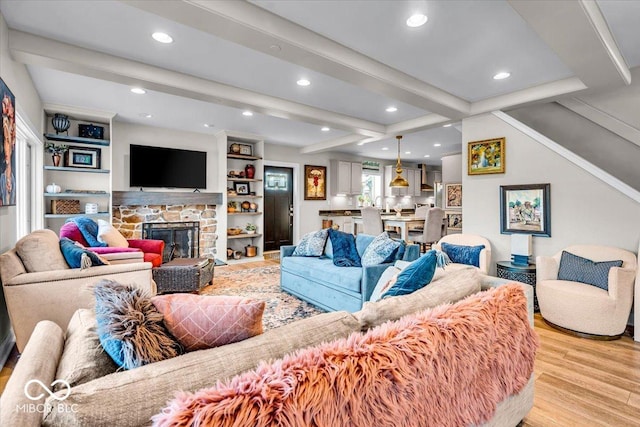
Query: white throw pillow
{"type": "Point", "coordinates": [109, 235]}
{"type": "Point", "coordinates": [387, 279]}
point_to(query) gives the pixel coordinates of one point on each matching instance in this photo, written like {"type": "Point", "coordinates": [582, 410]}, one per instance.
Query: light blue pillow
{"type": "Point", "coordinates": [379, 250]}
{"type": "Point", "coordinates": [73, 254]}
{"type": "Point", "coordinates": [416, 276]}
{"type": "Point", "coordinates": [312, 244]}
{"type": "Point", "coordinates": [469, 255]}
{"type": "Point", "coordinates": [578, 269]}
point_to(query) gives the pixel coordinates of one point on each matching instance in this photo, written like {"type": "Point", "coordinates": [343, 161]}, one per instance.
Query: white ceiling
{"type": "Point", "coordinates": [229, 56]}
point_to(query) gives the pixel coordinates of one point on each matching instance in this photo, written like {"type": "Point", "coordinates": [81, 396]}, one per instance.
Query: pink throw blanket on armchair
{"type": "Point", "coordinates": [448, 366]}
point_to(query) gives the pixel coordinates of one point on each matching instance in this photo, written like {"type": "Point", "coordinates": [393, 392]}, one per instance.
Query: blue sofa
{"type": "Point", "coordinates": [319, 282]}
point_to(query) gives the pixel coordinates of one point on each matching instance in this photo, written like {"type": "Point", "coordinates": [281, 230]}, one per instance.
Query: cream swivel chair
{"type": "Point", "coordinates": [583, 309]}
{"type": "Point", "coordinates": [371, 221]}
{"type": "Point", "coordinates": [469, 240]}
{"type": "Point", "coordinates": [432, 230]}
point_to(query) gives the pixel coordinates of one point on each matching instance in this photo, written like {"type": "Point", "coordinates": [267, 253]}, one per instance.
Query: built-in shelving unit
{"type": "Point", "coordinates": [82, 182]}
{"type": "Point", "coordinates": [233, 163]}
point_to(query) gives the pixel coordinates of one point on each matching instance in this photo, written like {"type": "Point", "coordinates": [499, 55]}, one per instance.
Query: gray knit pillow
{"type": "Point", "coordinates": [130, 327]}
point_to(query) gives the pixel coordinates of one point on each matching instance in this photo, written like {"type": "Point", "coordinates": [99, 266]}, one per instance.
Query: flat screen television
{"type": "Point", "coordinates": [167, 167]}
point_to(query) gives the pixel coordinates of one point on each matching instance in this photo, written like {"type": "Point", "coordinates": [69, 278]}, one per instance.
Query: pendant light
{"type": "Point", "coordinates": [399, 181]}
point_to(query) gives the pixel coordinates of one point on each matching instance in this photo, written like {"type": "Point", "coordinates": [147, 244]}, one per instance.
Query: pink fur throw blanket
{"type": "Point", "coordinates": [447, 366]}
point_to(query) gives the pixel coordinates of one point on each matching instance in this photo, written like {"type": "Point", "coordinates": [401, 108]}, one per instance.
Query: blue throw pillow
{"type": "Point", "coordinates": [379, 250]}
{"type": "Point", "coordinates": [73, 254]}
{"type": "Point", "coordinates": [312, 244]}
{"type": "Point", "coordinates": [417, 275]}
{"type": "Point", "coordinates": [345, 253]}
{"type": "Point", "coordinates": [578, 269]}
{"type": "Point", "coordinates": [460, 254]}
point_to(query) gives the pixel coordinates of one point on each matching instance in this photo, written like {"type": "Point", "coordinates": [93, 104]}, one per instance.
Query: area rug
{"type": "Point", "coordinates": [264, 284]}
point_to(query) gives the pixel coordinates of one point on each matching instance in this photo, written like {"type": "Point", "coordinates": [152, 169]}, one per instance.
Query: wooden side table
{"type": "Point", "coordinates": [521, 273]}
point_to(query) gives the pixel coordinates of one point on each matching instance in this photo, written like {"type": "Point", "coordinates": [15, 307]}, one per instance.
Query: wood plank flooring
{"type": "Point", "coordinates": [579, 382]}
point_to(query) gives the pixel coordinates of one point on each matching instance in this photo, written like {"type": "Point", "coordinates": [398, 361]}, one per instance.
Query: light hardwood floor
{"type": "Point", "coordinates": [579, 382]}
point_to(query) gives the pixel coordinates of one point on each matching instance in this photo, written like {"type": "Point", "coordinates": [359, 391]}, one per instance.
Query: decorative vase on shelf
{"type": "Point", "coordinates": [249, 171]}
{"type": "Point", "coordinates": [53, 188]}
{"type": "Point", "coordinates": [60, 123]}
{"type": "Point", "coordinates": [56, 159]}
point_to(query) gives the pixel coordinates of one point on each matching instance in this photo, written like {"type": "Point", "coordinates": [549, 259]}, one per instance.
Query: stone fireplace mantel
{"type": "Point", "coordinates": [141, 198]}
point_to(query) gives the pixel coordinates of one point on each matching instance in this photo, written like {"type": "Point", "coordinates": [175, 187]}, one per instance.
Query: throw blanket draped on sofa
{"type": "Point", "coordinates": [448, 366]}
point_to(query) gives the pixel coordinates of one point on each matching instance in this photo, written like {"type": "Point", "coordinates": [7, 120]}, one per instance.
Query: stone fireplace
{"type": "Point", "coordinates": [132, 209]}
{"type": "Point", "coordinates": [182, 239]}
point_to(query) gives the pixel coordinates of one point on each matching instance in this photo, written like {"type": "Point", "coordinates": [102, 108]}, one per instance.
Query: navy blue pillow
{"type": "Point", "coordinates": [345, 253]}
{"type": "Point", "coordinates": [469, 255]}
{"type": "Point", "coordinates": [417, 275]}
{"type": "Point", "coordinates": [73, 254]}
{"type": "Point", "coordinates": [578, 269]}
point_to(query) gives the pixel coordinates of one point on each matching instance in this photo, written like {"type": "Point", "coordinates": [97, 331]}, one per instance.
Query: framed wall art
{"type": "Point", "coordinates": [315, 182]}
{"type": "Point", "coordinates": [242, 188]}
{"type": "Point", "coordinates": [8, 170]}
{"type": "Point", "coordinates": [454, 220]}
{"type": "Point", "coordinates": [525, 209]}
{"type": "Point", "coordinates": [485, 157]}
{"type": "Point", "coordinates": [82, 157]}
{"type": "Point", "coordinates": [453, 196]}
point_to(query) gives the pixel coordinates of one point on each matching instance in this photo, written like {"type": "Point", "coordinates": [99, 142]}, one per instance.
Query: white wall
{"type": "Point", "coordinates": [584, 210]}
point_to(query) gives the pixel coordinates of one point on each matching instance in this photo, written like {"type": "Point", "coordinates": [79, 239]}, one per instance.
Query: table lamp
{"type": "Point", "coordinates": [521, 248]}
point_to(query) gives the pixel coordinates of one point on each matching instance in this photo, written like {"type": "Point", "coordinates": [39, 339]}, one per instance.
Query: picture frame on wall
{"type": "Point", "coordinates": [525, 209]}
{"type": "Point", "coordinates": [242, 188]}
{"type": "Point", "coordinates": [315, 182]}
{"type": "Point", "coordinates": [454, 220]}
{"type": "Point", "coordinates": [453, 196]}
{"type": "Point", "coordinates": [82, 157]}
{"type": "Point", "coordinates": [8, 170]}
{"type": "Point", "coordinates": [486, 157]}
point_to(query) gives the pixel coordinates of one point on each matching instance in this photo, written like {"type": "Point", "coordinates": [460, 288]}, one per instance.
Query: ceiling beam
{"type": "Point", "coordinates": [36, 50]}
{"type": "Point", "coordinates": [588, 49]}
{"type": "Point", "coordinates": [328, 145]}
{"type": "Point", "coordinates": [256, 28]}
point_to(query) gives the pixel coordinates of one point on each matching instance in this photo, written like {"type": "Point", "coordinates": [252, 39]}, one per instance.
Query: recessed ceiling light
{"type": "Point", "coordinates": [416, 20]}
{"type": "Point", "coordinates": [407, 152]}
{"type": "Point", "coordinates": [303, 82]}
{"type": "Point", "coordinates": [247, 113]}
{"type": "Point", "coordinates": [448, 125]}
{"type": "Point", "coordinates": [209, 125]}
{"type": "Point", "coordinates": [437, 144]}
{"type": "Point", "coordinates": [391, 109]}
{"type": "Point", "coordinates": [325, 129]}
{"type": "Point", "coordinates": [145, 115]}
{"type": "Point", "coordinates": [501, 75]}
{"type": "Point", "coordinates": [361, 143]}
{"type": "Point", "coordinates": [138, 90]}
{"type": "Point", "coordinates": [162, 37]}
{"type": "Point", "coordinates": [385, 148]}
{"type": "Point", "coordinates": [427, 155]}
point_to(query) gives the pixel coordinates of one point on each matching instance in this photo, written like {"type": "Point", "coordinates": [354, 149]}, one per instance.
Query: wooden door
{"type": "Point", "coordinates": [278, 207]}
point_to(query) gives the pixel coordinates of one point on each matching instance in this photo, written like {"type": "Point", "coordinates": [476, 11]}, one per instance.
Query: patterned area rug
{"type": "Point", "coordinates": [264, 284]}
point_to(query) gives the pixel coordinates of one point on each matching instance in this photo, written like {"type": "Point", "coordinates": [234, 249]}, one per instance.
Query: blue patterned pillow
{"type": "Point", "coordinates": [312, 244]}
{"type": "Point", "coordinates": [345, 253]}
{"type": "Point", "coordinates": [379, 250]}
{"type": "Point", "coordinates": [469, 255]}
{"type": "Point", "coordinates": [77, 256]}
{"type": "Point", "coordinates": [416, 276]}
{"type": "Point", "coordinates": [577, 269]}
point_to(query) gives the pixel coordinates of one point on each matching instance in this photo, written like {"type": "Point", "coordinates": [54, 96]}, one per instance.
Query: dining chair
{"type": "Point", "coordinates": [421, 212]}
{"type": "Point", "coordinates": [371, 221]}
{"type": "Point", "coordinates": [432, 230]}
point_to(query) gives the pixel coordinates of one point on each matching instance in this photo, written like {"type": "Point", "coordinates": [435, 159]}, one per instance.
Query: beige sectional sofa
{"type": "Point", "coordinates": [131, 398]}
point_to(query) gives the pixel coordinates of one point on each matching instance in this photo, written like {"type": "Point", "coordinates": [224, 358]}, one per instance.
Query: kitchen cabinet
{"type": "Point", "coordinates": [345, 177]}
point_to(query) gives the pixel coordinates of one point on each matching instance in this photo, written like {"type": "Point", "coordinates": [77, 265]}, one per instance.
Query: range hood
{"type": "Point", "coordinates": [423, 181]}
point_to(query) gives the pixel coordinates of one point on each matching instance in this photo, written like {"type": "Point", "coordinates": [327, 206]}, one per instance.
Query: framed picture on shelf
{"type": "Point", "coordinates": [242, 188]}
{"type": "Point", "coordinates": [246, 150]}
{"type": "Point", "coordinates": [315, 182]}
{"type": "Point", "coordinates": [81, 157]}
{"type": "Point", "coordinates": [485, 157]}
{"type": "Point", "coordinates": [525, 209]}
{"type": "Point", "coordinates": [453, 196]}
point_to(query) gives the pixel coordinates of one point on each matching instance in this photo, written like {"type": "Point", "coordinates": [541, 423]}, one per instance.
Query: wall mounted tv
{"type": "Point", "coordinates": [167, 167]}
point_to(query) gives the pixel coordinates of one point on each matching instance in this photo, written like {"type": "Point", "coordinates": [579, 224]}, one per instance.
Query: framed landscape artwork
{"type": "Point", "coordinates": [453, 196]}
{"type": "Point", "coordinates": [525, 209]}
{"type": "Point", "coordinates": [485, 157]}
{"type": "Point", "coordinates": [8, 171]}
{"type": "Point", "coordinates": [315, 182]}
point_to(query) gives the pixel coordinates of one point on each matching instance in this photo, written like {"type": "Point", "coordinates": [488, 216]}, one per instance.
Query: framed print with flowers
{"type": "Point", "coordinates": [486, 156]}
{"type": "Point", "coordinates": [315, 182]}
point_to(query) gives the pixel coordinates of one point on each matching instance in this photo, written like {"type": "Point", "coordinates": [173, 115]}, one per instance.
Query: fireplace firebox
{"type": "Point", "coordinates": [181, 238]}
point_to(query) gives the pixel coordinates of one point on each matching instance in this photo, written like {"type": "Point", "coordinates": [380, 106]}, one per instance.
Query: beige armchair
{"type": "Point", "coordinates": [469, 240]}
{"type": "Point", "coordinates": [38, 284]}
{"type": "Point", "coordinates": [584, 309]}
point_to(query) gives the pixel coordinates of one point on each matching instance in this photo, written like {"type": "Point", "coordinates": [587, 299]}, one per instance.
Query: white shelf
{"type": "Point", "coordinates": [71, 195]}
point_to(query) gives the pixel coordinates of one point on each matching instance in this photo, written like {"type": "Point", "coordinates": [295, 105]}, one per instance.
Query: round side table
{"type": "Point", "coordinates": [521, 273]}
